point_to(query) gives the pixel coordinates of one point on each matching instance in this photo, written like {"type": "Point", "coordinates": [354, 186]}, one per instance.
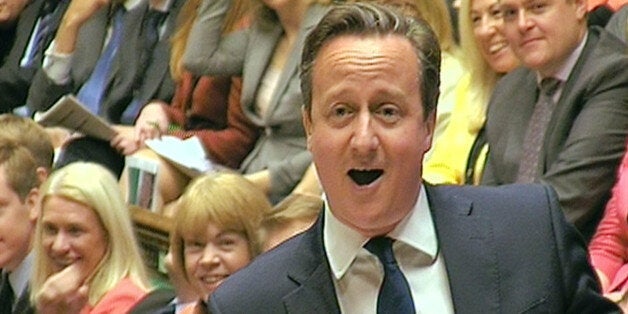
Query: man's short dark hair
{"type": "Point", "coordinates": [370, 19]}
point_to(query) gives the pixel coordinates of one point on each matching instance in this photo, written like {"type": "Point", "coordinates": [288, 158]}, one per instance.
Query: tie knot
{"type": "Point", "coordinates": [549, 85]}
{"type": "Point", "coordinates": [382, 248]}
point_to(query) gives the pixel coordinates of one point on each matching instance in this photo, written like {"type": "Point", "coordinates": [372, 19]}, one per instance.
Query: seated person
{"type": "Point", "coordinates": [26, 29]}
{"type": "Point", "coordinates": [203, 106]}
{"type": "Point", "coordinates": [86, 256]}
{"type": "Point", "coordinates": [266, 55]}
{"type": "Point", "coordinates": [110, 55]}
{"type": "Point", "coordinates": [19, 195]}
{"type": "Point", "coordinates": [608, 250]}
{"type": "Point", "coordinates": [458, 157]}
{"type": "Point", "coordinates": [215, 233]}
{"type": "Point", "coordinates": [548, 119]}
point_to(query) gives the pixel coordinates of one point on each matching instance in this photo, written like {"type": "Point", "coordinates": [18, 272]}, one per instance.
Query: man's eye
{"type": "Point", "coordinates": [538, 7]}
{"type": "Point", "coordinates": [389, 113]}
{"type": "Point", "coordinates": [340, 111]}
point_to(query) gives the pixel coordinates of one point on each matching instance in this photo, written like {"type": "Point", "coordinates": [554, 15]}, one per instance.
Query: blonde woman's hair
{"type": "Point", "coordinates": [186, 18]}
{"type": "Point", "coordinates": [225, 199]}
{"type": "Point", "coordinates": [483, 77]}
{"type": "Point", "coordinates": [95, 187]}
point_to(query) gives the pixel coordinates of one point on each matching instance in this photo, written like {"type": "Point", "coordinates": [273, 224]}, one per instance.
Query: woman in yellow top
{"type": "Point", "coordinates": [458, 155]}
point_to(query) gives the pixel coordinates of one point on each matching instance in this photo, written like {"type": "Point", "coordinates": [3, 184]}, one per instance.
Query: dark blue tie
{"type": "Point", "coordinates": [7, 296]}
{"type": "Point", "coordinates": [92, 91]}
{"type": "Point", "coordinates": [394, 294]}
{"type": "Point", "coordinates": [150, 34]}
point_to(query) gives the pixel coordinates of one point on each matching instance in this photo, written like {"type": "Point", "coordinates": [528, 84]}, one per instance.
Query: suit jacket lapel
{"type": "Point", "coordinates": [89, 45]}
{"type": "Point", "coordinates": [264, 40]}
{"type": "Point", "coordinates": [316, 293]}
{"type": "Point", "coordinates": [465, 242]}
{"type": "Point", "coordinates": [291, 68]}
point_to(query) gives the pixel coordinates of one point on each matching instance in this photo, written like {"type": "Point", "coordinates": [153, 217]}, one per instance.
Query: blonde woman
{"type": "Point", "coordinates": [216, 232]}
{"type": "Point", "coordinates": [458, 156]}
{"type": "Point", "coordinates": [87, 258]}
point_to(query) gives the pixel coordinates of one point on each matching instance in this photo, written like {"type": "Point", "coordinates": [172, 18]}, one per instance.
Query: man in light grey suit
{"type": "Point", "coordinates": [370, 80]}
{"type": "Point", "coordinates": [585, 136]}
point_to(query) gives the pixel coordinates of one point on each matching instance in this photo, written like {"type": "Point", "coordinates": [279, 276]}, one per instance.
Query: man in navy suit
{"type": "Point", "coordinates": [370, 80]}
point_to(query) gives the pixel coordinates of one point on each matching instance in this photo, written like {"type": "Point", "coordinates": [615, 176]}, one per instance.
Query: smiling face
{"type": "Point", "coordinates": [366, 130]}
{"type": "Point", "coordinates": [487, 19]}
{"type": "Point", "coordinates": [212, 257]}
{"type": "Point", "coordinates": [72, 234]}
{"type": "Point", "coordinates": [543, 33]}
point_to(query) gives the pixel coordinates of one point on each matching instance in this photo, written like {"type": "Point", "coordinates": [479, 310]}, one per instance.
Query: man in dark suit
{"type": "Point", "coordinates": [137, 71]}
{"type": "Point", "coordinates": [26, 155]}
{"type": "Point", "coordinates": [370, 82]}
{"type": "Point", "coordinates": [32, 32]}
{"type": "Point", "coordinates": [587, 121]}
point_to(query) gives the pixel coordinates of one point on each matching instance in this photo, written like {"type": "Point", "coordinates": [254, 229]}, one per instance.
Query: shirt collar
{"type": "Point", "coordinates": [568, 65]}
{"type": "Point", "coordinates": [342, 243]}
{"type": "Point", "coordinates": [19, 277]}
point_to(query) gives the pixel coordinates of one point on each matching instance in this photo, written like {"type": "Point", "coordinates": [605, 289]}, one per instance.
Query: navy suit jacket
{"type": "Point", "coordinates": [507, 250]}
{"type": "Point", "coordinates": [586, 136]}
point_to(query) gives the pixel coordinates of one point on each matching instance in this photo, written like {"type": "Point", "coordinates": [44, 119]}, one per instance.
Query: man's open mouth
{"type": "Point", "coordinates": [365, 177]}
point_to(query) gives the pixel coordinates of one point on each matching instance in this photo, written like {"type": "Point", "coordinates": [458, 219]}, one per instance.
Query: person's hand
{"type": "Point", "coordinates": [64, 292]}
{"type": "Point", "coordinates": [125, 142]}
{"type": "Point", "coordinates": [151, 123]}
{"type": "Point", "coordinates": [618, 298]}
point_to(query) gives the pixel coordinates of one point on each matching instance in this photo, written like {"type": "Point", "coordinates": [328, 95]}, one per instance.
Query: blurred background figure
{"type": "Point", "coordinates": [267, 56]}
{"type": "Point", "coordinates": [203, 106]}
{"type": "Point", "coordinates": [608, 249]}
{"type": "Point", "coordinates": [87, 259]}
{"type": "Point", "coordinates": [26, 28]}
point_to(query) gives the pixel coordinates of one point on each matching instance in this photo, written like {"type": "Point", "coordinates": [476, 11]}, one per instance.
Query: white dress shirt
{"type": "Point", "coordinates": [357, 274]}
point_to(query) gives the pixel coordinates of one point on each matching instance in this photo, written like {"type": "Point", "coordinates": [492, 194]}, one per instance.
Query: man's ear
{"type": "Point", "coordinates": [307, 124]}
{"type": "Point", "coordinates": [33, 203]}
{"type": "Point", "coordinates": [581, 9]}
{"type": "Point", "coordinates": [430, 126]}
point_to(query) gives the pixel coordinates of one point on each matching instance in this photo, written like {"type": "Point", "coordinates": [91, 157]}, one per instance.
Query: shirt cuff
{"type": "Point", "coordinates": [57, 65]}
